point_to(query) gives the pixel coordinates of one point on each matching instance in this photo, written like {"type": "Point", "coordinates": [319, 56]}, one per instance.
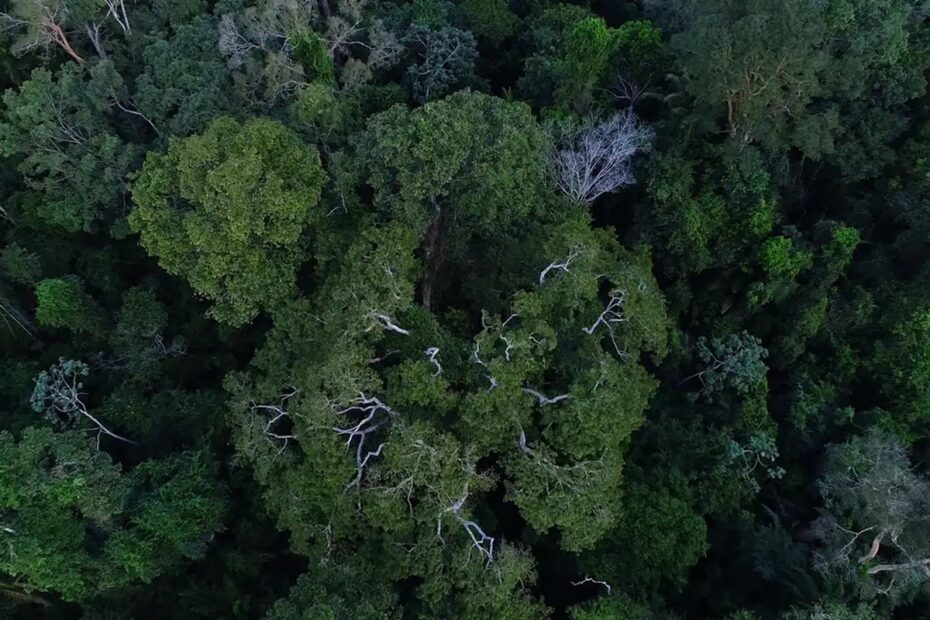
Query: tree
{"type": "Point", "coordinates": [597, 158]}
{"type": "Point", "coordinates": [74, 163]}
{"type": "Point", "coordinates": [184, 85]}
{"type": "Point", "coordinates": [63, 302]}
{"type": "Point", "coordinates": [41, 23]}
{"type": "Point", "coordinates": [659, 538]}
{"type": "Point", "coordinates": [446, 59]}
{"type": "Point", "coordinates": [74, 524]}
{"type": "Point", "coordinates": [731, 363]}
{"type": "Point", "coordinates": [573, 50]}
{"type": "Point", "coordinates": [490, 19]}
{"type": "Point", "coordinates": [58, 396]}
{"type": "Point", "coordinates": [467, 166]}
{"type": "Point", "coordinates": [873, 528]}
{"type": "Point", "coordinates": [228, 210]}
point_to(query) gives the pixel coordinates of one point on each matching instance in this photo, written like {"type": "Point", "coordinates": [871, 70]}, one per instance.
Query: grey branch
{"type": "Point", "coordinates": [545, 400]}
{"type": "Point", "coordinates": [431, 354]}
{"type": "Point", "coordinates": [276, 414]}
{"type": "Point", "coordinates": [480, 540]}
{"type": "Point", "coordinates": [58, 392]}
{"type": "Point", "coordinates": [386, 322]}
{"type": "Point", "coordinates": [611, 316]}
{"type": "Point", "coordinates": [592, 580]}
{"type": "Point", "coordinates": [559, 265]}
{"type": "Point", "coordinates": [371, 415]}
{"type": "Point", "coordinates": [117, 10]}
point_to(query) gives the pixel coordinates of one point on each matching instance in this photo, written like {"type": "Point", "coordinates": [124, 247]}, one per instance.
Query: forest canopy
{"type": "Point", "coordinates": [464, 309]}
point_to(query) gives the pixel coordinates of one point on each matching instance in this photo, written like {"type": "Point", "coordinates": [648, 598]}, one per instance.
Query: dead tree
{"type": "Point", "coordinates": [598, 158]}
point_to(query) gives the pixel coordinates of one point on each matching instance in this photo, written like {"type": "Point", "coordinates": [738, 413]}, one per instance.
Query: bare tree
{"type": "Point", "coordinates": [596, 159]}
{"type": "Point", "coordinates": [58, 393]}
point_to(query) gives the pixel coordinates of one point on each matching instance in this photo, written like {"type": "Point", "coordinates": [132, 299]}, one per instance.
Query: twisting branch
{"type": "Point", "coordinates": [58, 393]}
{"type": "Point", "coordinates": [545, 400]}
{"type": "Point", "coordinates": [276, 414]}
{"type": "Point", "coordinates": [480, 540]}
{"type": "Point", "coordinates": [385, 322]}
{"type": "Point", "coordinates": [366, 415]}
{"type": "Point", "coordinates": [562, 265]}
{"type": "Point", "coordinates": [431, 354]}
{"type": "Point", "coordinates": [592, 580]}
{"type": "Point", "coordinates": [612, 315]}
{"type": "Point", "coordinates": [135, 112]}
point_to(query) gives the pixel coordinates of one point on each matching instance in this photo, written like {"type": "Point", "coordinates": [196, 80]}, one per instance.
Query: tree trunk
{"type": "Point", "coordinates": [59, 36]}
{"type": "Point", "coordinates": [434, 254]}
{"type": "Point", "coordinates": [324, 5]}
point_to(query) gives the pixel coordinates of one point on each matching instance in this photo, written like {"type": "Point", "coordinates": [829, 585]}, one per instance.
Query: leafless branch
{"type": "Point", "coordinates": [598, 158]}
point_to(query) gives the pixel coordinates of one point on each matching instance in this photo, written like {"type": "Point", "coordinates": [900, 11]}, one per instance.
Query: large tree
{"type": "Point", "coordinates": [230, 210]}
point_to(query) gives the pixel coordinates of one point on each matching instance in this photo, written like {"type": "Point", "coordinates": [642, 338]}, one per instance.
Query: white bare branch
{"type": "Point", "coordinates": [592, 580]}
{"type": "Point", "coordinates": [598, 158]}
{"type": "Point", "coordinates": [431, 354]}
{"type": "Point", "coordinates": [611, 316]}
{"type": "Point", "coordinates": [480, 540]}
{"type": "Point", "coordinates": [385, 322]}
{"type": "Point", "coordinates": [117, 10]}
{"type": "Point", "coordinates": [366, 415]}
{"type": "Point", "coordinates": [562, 265]}
{"type": "Point", "coordinates": [276, 414]}
{"type": "Point", "coordinates": [545, 400]}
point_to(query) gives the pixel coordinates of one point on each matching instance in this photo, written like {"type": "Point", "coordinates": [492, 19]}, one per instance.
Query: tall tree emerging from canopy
{"type": "Point", "coordinates": [465, 167]}
{"type": "Point", "coordinates": [228, 210]}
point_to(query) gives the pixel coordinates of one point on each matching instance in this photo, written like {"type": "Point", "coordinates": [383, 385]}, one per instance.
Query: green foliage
{"type": "Point", "coordinates": [573, 50]}
{"type": "Point", "coordinates": [184, 84]}
{"type": "Point", "coordinates": [490, 19]}
{"type": "Point", "coordinates": [732, 363]}
{"type": "Point", "coordinates": [310, 50]}
{"type": "Point", "coordinates": [19, 264]}
{"type": "Point", "coordinates": [618, 607]}
{"type": "Point", "coordinates": [77, 526]}
{"type": "Point", "coordinates": [74, 164]}
{"type": "Point", "coordinates": [660, 537]}
{"type": "Point", "coordinates": [228, 210]}
{"type": "Point", "coordinates": [337, 338]}
{"type": "Point", "coordinates": [477, 156]}
{"type": "Point", "coordinates": [446, 60]}
{"type": "Point", "coordinates": [63, 302]}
